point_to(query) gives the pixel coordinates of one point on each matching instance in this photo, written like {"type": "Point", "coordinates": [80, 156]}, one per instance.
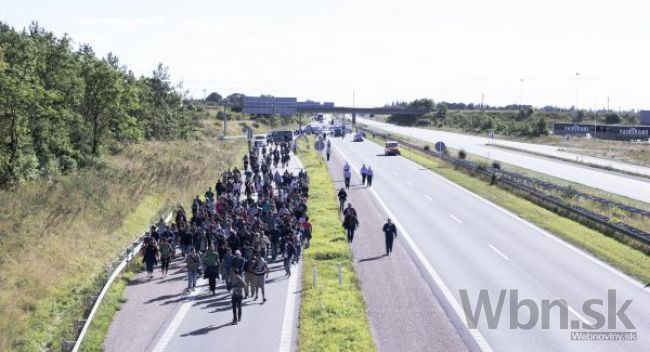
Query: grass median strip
{"type": "Point", "coordinates": [332, 317]}
{"type": "Point", "coordinates": [627, 259]}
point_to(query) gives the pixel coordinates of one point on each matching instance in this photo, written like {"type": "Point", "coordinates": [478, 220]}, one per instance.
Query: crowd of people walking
{"type": "Point", "coordinates": [253, 216]}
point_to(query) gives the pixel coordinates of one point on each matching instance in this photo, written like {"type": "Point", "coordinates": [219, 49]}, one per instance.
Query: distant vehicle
{"type": "Point", "coordinates": [280, 136]}
{"type": "Point", "coordinates": [259, 140]}
{"type": "Point", "coordinates": [358, 137]}
{"type": "Point", "coordinates": [392, 148]}
{"type": "Point", "coordinates": [319, 117]}
{"type": "Point", "coordinates": [338, 131]}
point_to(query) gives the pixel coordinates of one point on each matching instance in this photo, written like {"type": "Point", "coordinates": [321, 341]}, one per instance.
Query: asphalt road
{"type": "Point", "coordinates": [463, 242]}
{"type": "Point", "coordinates": [409, 318]}
{"type": "Point", "coordinates": [629, 186]}
{"type": "Point", "coordinates": [159, 316]}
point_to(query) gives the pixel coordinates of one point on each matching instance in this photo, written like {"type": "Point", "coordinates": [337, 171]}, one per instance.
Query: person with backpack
{"type": "Point", "coordinates": [350, 222]}
{"type": "Point", "coordinates": [211, 263]}
{"type": "Point", "coordinates": [390, 233]}
{"type": "Point", "coordinates": [166, 254]}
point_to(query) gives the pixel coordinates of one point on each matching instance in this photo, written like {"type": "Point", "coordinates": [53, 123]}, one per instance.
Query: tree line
{"type": "Point", "coordinates": [61, 107]}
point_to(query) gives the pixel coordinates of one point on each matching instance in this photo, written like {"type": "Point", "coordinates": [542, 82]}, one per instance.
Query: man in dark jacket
{"type": "Point", "coordinates": [390, 231]}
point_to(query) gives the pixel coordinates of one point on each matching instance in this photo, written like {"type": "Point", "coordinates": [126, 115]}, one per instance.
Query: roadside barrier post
{"type": "Point", "coordinates": [340, 274]}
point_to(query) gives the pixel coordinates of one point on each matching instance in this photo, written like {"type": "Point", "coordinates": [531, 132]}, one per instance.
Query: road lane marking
{"type": "Point", "coordinates": [178, 319]}
{"type": "Point", "coordinates": [286, 338]}
{"type": "Point", "coordinates": [476, 335]}
{"type": "Point", "coordinates": [409, 183]}
{"type": "Point", "coordinates": [455, 218]}
{"type": "Point", "coordinates": [499, 252]}
{"type": "Point", "coordinates": [607, 267]}
{"type": "Point", "coordinates": [575, 312]}
{"type": "Point", "coordinates": [429, 198]}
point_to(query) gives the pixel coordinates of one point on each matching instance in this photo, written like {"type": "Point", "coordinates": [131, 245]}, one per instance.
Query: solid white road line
{"type": "Point", "coordinates": [605, 266]}
{"type": "Point", "coordinates": [499, 252]}
{"type": "Point", "coordinates": [286, 338]}
{"type": "Point", "coordinates": [429, 198]}
{"type": "Point", "coordinates": [176, 322]}
{"type": "Point", "coordinates": [475, 333]}
{"type": "Point", "coordinates": [455, 218]}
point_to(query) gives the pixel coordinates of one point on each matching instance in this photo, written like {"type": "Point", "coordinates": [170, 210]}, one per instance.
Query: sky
{"type": "Point", "coordinates": [544, 52]}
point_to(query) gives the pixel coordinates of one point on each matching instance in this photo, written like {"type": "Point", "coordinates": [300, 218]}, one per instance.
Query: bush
{"type": "Point", "coordinates": [462, 154]}
{"type": "Point", "coordinates": [481, 166]}
{"type": "Point", "coordinates": [496, 165]}
{"type": "Point", "coordinates": [427, 148]}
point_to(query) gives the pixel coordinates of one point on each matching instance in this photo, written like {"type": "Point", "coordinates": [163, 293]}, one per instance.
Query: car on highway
{"type": "Point", "coordinates": [358, 137]}
{"type": "Point", "coordinates": [392, 148]}
{"type": "Point", "coordinates": [259, 140]}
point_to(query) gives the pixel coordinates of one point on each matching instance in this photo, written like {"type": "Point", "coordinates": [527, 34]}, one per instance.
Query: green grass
{"type": "Point", "coordinates": [112, 302]}
{"type": "Point", "coordinates": [332, 318]}
{"type": "Point", "coordinates": [57, 237]}
{"type": "Point", "coordinates": [627, 259]}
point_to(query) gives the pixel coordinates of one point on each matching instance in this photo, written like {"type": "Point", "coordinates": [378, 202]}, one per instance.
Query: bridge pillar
{"type": "Point", "coordinates": [354, 118]}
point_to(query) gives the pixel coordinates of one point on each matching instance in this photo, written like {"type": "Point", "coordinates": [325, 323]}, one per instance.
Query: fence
{"type": "Point", "coordinates": [112, 272]}
{"type": "Point", "coordinates": [527, 186]}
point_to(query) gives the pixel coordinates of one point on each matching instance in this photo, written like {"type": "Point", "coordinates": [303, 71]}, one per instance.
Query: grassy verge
{"type": "Point", "coordinates": [332, 318]}
{"type": "Point", "coordinates": [112, 302]}
{"type": "Point", "coordinates": [57, 237]}
{"type": "Point", "coordinates": [588, 164]}
{"type": "Point", "coordinates": [614, 212]}
{"type": "Point", "coordinates": [627, 259]}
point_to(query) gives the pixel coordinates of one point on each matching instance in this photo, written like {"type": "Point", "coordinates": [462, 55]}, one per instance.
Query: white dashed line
{"type": "Point", "coordinates": [429, 198]}
{"type": "Point", "coordinates": [499, 252]}
{"type": "Point", "coordinates": [480, 340]}
{"type": "Point", "coordinates": [409, 183]}
{"type": "Point", "coordinates": [455, 218]}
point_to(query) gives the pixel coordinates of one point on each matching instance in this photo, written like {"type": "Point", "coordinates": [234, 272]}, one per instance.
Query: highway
{"type": "Point", "coordinates": [629, 186]}
{"type": "Point", "coordinates": [464, 242]}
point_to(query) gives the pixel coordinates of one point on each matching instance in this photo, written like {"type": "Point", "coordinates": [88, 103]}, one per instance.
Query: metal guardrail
{"type": "Point", "coordinates": [528, 186]}
{"type": "Point", "coordinates": [113, 270]}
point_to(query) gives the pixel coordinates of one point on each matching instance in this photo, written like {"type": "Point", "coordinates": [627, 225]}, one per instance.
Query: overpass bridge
{"type": "Point", "coordinates": [355, 111]}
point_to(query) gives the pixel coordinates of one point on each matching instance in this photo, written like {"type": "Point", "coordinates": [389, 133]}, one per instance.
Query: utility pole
{"type": "Point", "coordinates": [482, 100]}
{"type": "Point", "coordinates": [607, 104]}
{"type": "Point", "coordinates": [225, 121]}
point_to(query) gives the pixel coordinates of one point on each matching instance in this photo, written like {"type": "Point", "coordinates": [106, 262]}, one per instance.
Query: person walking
{"type": "Point", "coordinates": [328, 150]}
{"type": "Point", "coordinates": [364, 172]}
{"type": "Point", "coordinates": [166, 253]}
{"type": "Point", "coordinates": [369, 175]}
{"type": "Point", "coordinates": [390, 232]}
{"type": "Point", "coordinates": [350, 222]}
{"type": "Point", "coordinates": [238, 286]}
{"type": "Point", "coordinates": [261, 273]}
{"type": "Point", "coordinates": [347, 175]}
{"type": "Point", "coordinates": [150, 255]}
{"type": "Point", "coordinates": [193, 262]}
{"type": "Point", "coordinates": [211, 262]}
{"type": "Point", "coordinates": [343, 196]}
{"type": "Point", "coordinates": [289, 252]}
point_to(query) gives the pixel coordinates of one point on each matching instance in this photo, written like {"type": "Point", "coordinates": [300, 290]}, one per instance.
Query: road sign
{"type": "Point", "coordinates": [319, 145]}
{"type": "Point", "coordinates": [440, 147]}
